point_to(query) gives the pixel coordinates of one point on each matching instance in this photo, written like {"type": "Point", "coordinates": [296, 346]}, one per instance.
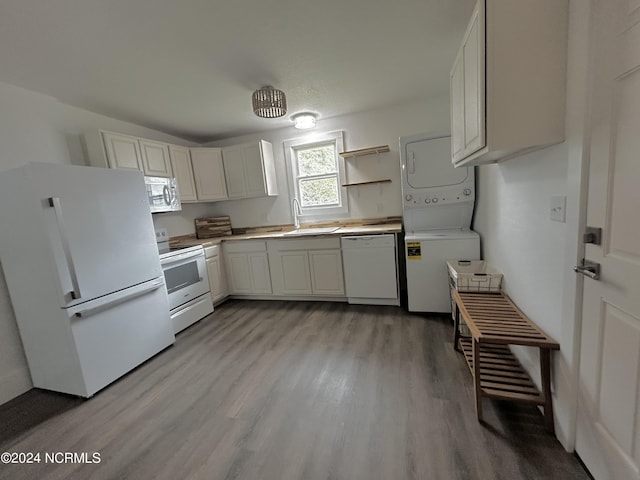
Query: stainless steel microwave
{"type": "Point", "coordinates": [163, 194]}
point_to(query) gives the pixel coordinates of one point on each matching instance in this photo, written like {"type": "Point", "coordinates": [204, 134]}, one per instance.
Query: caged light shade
{"type": "Point", "coordinates": [269, 102]}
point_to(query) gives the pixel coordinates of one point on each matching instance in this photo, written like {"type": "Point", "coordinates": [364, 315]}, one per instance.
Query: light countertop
{"type": "Point", "coordinates": [284, 233]}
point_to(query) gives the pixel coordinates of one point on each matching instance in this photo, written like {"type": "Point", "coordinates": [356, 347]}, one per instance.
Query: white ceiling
{"type": "Point", "coordinates": [189, 67]}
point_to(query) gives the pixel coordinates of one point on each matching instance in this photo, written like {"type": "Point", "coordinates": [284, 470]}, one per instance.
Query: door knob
{"type": "Point", "coordinates": [588, 269]}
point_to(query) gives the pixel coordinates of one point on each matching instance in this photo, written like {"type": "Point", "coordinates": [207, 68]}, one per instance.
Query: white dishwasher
{"type": "Point", "coordinates": [370, 269]}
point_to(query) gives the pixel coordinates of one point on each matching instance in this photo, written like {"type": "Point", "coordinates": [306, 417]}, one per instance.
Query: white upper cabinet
{"type": "Point", "coordinates": [115, 150]}
{"type": "Point", "coordinates": [183, 171]}
{"type": "Point", "coordinates": [155, 158]}
{"type": "Point", "coordinates": [209, 174]}
{"type": "Point", "coordinates": [122, 151]}
{"type": "Point", "coordinates": [249, 170]}
{"type": "Point", "coordinates": [508, 80]}
{"type": "Point", "coordinates": [467, 91]}
{"type": "Point", "coordinates": [203, 174]}
{"type": "Point", "coordinates": [234, 171]}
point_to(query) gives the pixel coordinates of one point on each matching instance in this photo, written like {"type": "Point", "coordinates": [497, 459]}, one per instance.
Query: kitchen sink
{"type": "Point", "coordinates": [312, 231]}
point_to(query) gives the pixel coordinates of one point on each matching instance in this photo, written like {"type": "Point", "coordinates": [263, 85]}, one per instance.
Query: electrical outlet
{"type": "Point", "coordinates": [557, 208]}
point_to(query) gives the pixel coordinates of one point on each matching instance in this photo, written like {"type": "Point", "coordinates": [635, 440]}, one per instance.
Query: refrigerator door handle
{"type": "Point", "coordinates": [56, 203]}
{"type": "Point", "coordinates": [118, 299]}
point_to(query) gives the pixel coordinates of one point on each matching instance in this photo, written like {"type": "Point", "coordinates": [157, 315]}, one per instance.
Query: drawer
{"type": "Point", "coordinates": [304, 244]}
{"type": "Point", "coordinates": [245, 246]}
{"type": "Point", "coordinates": [211, 251]}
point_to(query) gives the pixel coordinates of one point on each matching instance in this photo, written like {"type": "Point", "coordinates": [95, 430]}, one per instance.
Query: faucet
{"type": "Point", "coordinates": [295, 206]}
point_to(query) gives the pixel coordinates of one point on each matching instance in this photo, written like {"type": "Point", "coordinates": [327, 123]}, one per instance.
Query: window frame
{"type": "Point", "coordinates": [290, 148]}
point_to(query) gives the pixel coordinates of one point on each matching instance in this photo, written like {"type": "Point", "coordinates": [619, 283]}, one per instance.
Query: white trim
{"type": "Point", "coordinates": [317, 213]}
{"type": "Point", "coordinates": [578, 124]}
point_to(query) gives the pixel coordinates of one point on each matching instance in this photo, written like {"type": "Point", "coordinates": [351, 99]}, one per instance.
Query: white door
{"type": "Point", "coordinates": [239, 273]}
{"type": "Point", "coordinates": [429, 164]}
{"type": "Point", "coordinates": [608, 433]}
{"type": "Point", "coordinates": [254, 170]}
{"type": "Point", "coordinates": [122, 151]}
{"type": "Point", "coordinates": [467, 86]}
{"type": "Point", "coordinates": [474, 77]}
{"type": "Point", "coordinates": [209, 173]}
{"type": "Point", "coordinates": [155, 159]}
{"type": "Point", "coordinates": [216, 282]}
{"type": "Point", "coordinates": [103, 216]}
{"type": "Point", "coordinates": [326, 272]}
{"type": "Point", "coordinates": [183, 171]}
{"type": "Point", "coordinates": [260, 277]}
{"type": "Point", "coordinates": [426, 256]}
{"type": "Point", "coordinates": [294, 275]}
{"type": "Point", "coordinates": [234, 171]}
{"type": "Point", "coordinates": [113, 339]}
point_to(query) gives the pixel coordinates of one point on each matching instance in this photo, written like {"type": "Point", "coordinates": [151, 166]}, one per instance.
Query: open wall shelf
{"type": "Point", "coordinates": [365, 151]}
{"type": "Point", "coordinates": [357, 184]}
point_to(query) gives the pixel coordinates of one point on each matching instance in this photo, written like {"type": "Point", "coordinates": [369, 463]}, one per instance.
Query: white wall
{"type": "Point", "coordinates": [366, 129]}
{"type": "Point", "coordinates": [35, 127]}
{"type": "Point", "coordinates": [535, 254]}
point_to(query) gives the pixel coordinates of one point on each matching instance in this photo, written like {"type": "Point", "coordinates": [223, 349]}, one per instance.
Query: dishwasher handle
{"type": "Point", "coordinates": [364, 241]}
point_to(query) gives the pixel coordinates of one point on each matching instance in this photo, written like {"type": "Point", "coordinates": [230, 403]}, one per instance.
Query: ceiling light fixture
{"type": "Point", "coordinates": [269, 102]}
{"type": "Point", "coordinates": [304, 120]}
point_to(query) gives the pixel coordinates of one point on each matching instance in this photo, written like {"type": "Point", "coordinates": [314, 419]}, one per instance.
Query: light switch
{"type": "Point", "coordinates": [558, 208]}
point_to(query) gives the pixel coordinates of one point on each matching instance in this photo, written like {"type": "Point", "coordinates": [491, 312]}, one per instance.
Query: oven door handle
{"type": "Point", "coordinates": [180, 257]}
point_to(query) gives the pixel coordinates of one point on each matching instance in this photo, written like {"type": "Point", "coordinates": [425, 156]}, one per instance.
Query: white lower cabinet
{"type": "Point", "coordinates": [291, 274]}
{"type": "Point", "coordinates": [247, 268]}
{"type": "Point", "coordinates": [215, 271]}
{"type": "Point", "coordinates": [326, 272]}
{"type": "Point", "coordinates": [306, 267]}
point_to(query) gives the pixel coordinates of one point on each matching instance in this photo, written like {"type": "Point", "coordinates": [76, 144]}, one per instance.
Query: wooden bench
{"type": "Point", "coordinates": [494, 323]}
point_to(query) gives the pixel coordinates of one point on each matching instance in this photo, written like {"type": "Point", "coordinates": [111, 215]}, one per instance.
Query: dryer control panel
{"type": "Point", "coordinates": [432, 197]}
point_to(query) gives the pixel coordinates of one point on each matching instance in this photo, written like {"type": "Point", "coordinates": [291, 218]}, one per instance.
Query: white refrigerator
{"type": "Point", "coordinates": [79, 254]}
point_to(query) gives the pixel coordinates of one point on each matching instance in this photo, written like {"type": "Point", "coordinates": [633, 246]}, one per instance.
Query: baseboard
{"type": "Point", "coordinates": [14, 384]}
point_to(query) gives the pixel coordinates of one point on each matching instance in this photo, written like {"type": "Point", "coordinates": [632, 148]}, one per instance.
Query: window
{"type": "Point", "coordinates": [316, 174]}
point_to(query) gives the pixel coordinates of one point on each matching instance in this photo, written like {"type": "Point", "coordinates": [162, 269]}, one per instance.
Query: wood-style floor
{"type": "Point", "coordinates": [275, 390]}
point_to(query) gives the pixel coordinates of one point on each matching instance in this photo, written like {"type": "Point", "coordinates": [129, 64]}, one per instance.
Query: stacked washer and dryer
{"type": "Point", "coordinates": [438, 202]}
